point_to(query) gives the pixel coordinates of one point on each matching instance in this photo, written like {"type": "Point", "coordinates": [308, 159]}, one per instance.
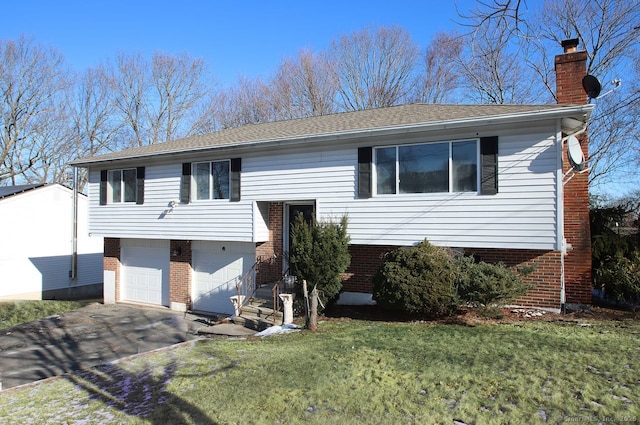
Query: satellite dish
{"type": "Point", "coordinates": [591, 86]}
{"type": "Point", "coordinates": [574, 152]}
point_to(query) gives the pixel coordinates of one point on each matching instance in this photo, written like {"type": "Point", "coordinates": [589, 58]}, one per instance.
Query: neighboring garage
{"type": "Point", "coordinates": [217, 267]}
{"type": "Point", "coordinates": [145, 271]}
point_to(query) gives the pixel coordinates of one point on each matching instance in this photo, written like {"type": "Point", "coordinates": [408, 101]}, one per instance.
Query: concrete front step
{"type": "Point", "coordinates": [261, 302]}
{"type": "Point", "coordinates": [257, 316]}
{"type": "Point", "coordinates": [252, 323]}
{"type": "Point", "coordinates": [261, 312]}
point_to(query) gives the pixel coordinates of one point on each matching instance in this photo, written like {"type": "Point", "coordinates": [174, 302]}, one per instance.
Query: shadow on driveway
{"type": "Point", "coordinates": [84, 338]}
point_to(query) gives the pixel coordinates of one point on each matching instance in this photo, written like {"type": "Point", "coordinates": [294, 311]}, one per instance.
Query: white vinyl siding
{"type": "Point", "coordinates": [157, 219]}
{"type": "Point", "coordinates": [522, 215]}
{"type": "Point", "coordinates": [299, 176]}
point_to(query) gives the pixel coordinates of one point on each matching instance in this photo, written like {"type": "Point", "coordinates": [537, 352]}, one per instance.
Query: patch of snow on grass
{"type": "Point", "coordinates": [276, 330]}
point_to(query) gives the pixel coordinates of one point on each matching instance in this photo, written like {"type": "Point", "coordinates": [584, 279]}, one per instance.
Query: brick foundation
{"type": "Point", "coordinates": [180, 272]}
{"type": "Point", "coordinates": [546, 278]}
{"type": "Point", "coordinates": [367, 259]}
{"type": "Point", "coordinates": [111, 260]}
{"type": "Point", "coordinates": [365, 262]}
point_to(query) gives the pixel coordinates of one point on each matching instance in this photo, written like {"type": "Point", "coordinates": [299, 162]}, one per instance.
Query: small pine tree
{"type": "Point", "coordinates": [320, 255]}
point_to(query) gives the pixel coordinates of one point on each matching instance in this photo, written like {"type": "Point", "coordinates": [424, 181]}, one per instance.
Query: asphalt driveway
{"type": "Point", "coordinates": [87, 337]}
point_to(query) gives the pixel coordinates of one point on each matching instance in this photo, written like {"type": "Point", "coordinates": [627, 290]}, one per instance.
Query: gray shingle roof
{"type": "Point", "coordinates": [345, 122]}
{"type": "Point", "coordinates": [13, 190]}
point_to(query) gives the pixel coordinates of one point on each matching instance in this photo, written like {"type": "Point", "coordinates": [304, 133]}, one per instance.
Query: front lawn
{"type": "Point", "coordinates": [355, 372]}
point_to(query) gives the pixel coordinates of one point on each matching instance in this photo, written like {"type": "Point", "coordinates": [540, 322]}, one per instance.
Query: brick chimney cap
{"type": "Point", "coordinates": [570, 45]}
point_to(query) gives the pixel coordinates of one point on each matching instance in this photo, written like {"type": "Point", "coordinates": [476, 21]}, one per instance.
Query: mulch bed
{"type": "Point", "coordinates": [470, 316]}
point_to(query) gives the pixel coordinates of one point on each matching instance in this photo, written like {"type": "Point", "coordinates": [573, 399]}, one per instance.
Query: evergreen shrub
{"type": "Point", "coordinates": [417, 280]}
{"type": "Point", "coordinates": [320, 255]}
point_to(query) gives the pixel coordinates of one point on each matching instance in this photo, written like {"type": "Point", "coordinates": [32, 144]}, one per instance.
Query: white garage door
{"type": "Point", "coordinates": [217, 267]}
{"type": "Point", "coordinates": [145, 274]}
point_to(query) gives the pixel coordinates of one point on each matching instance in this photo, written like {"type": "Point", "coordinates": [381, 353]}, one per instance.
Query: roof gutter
{"type": "Point", "coordinates": [583, 111]}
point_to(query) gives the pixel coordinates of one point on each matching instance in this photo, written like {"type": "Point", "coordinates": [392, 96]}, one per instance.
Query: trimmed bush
{"type": "Point", "coordinates": [487, 285]}
{"type": "Point", "coordinates": [429, 280]}
{"type": "Point", "coordinates": [320, 255]}
{"type": "Point", "coordinates": [417, 280]}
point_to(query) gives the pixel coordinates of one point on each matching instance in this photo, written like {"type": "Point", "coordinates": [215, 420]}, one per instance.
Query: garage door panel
{"type": "Point", "coordinates": [215, 276]}
{"type": "Point", "coordinates": [145, 275]}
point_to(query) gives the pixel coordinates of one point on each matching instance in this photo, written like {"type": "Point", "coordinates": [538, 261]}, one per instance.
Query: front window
{"type": "Point", "coordinates": [122, 185]}
{"type": "Point", "coordinates": [427, 168]}
{"type": "Point", "coordinates": [386, 170]}
{"type": "Point", "coordinates": [211, 180]}
{"type": "Point", "coordinates": [464, 158]}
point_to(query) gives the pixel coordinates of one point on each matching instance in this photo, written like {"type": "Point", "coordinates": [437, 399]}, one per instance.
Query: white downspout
{"type": "Point", "coordinates": [73, 274]}
{"type": "Point", "coordinates": [560, 212]}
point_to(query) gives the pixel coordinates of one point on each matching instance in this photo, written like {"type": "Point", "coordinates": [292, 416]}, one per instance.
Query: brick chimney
{"type": "Point", "coordinates": [571, 67]}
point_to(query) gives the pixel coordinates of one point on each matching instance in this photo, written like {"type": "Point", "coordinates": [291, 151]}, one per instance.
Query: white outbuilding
{"type": "Point", "coordinates": [38, 256]}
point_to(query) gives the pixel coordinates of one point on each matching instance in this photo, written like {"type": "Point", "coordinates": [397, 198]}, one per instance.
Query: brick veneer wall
{"type": "Point", "coordinates": [570, 69]}
{"type": "Point", "coordinates": [546, 278]}
{"type": "Point", "coordinates": [180, 272]}
{"type": "Point", "coordinates": [365, 262]}
{"type": "Point", "coordinates": [111, 260]}
{"type": "Point", "coordinates": [270, 269]}
{"type": "Point", "coordinates": [367, 259]}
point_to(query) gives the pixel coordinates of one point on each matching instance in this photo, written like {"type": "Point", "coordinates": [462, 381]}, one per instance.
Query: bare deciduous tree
{"type": "Point", "coordinates": [304, 86]}
{"type": "Point", "coordinates": [94, 128]}
{"type": "Point", "coordinates": [129, 79]}
{"type": "Point", "coordinates": [375, 68]}
{"type": "Point", "coordinates": [608, 30]}
{"type": "Point", "coordinates": [178, 84]}
{"type": "Point", "coordinates": [32, 79]}
{"type": "Point", "coordinates": [440, 77]}
{"type": "Point", "coordinates": [156, 99]}
{"type": "Point", "coordinates": [51, 145]}
{"type": "Point", "coordinates": [494, 73]}
{"type": "Point", "coordinates": [93, 114]}
{"type": "Point", "coordinates": [245, 103]}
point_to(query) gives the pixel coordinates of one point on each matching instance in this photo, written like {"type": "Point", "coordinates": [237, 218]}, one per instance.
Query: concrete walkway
{"type": "Point", "coordinates": [91, 336]}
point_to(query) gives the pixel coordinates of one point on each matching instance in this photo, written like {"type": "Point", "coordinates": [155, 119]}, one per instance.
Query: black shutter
{"type": "Point", "coordinates": [185, 183]}
{"type": "Point", "coordinates": [236, 168]}
{"type": "Point", "coordinates": [103, 187]}
{"type": "Point", "coordinates": [140, 185]}
{"type": "Point", "coordinates": [365, 156]}
{"type": "Point", "coordinates": [489, 165]}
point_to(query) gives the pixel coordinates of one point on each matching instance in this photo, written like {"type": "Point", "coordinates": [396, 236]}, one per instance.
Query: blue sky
{"type": "Point", "coordinates": [233, 37]}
